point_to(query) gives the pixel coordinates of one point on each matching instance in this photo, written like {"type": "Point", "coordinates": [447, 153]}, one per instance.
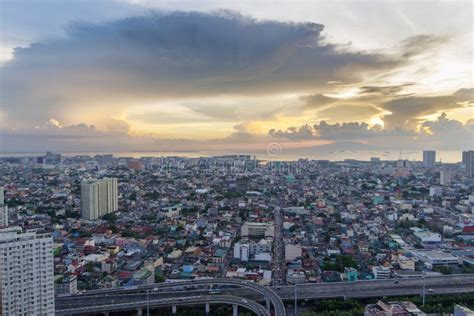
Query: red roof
{"type": "Point", "coordinates": [468, 229]}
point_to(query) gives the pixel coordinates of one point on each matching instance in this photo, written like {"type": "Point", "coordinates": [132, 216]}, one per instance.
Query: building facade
{"type": "Point", "coordinates": [445, 177]}
{"type": "Point", "coordinates": [429, 158]}
{"type": "Point", "coordinates": [292, 252]}
{"type": "Point", "coordinates": [3, 215]}
{"type": "Point", "coordinates": [99, 197]}
{"type": "Point", "coordinates": [66, 284]}
{"type": "Point", "coordinates": [256, 229]}
{"type": "Point", "coordinates": [27, 273]}
{"type": "Point", "coordinates": [468, 162]}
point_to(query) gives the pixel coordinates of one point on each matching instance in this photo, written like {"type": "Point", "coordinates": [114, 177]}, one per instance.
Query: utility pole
{"type": "Point", "coordinates": [147, 302]}
{"type": "Point", "coordinates": [296, 299]}
{"type": "Point", "coordinates": [424, 288]}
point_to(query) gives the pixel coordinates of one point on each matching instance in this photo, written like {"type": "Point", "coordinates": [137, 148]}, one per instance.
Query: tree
{"type": "Point", "coordinates": [113, 228]}
{"type": "Point", "coordinates": [90, 267]}
{"type": "Point", "coordinates": [111, 218]}
{"type": "Point", "coordinates": [130, 233]}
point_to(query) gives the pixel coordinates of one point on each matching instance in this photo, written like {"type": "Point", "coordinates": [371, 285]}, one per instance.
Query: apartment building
{"type": "Point", "coordinates": [26, 273]}
{"type": "Point", "coordinates": [98, 198]}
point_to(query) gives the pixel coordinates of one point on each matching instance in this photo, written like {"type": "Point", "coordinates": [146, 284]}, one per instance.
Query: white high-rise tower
{"type": "Point", "coordinates": [3, 215]}
{"type": "Point", "coordinates": [99, 197]}
{"type": "Point", "coordinates": [90, 199]}
{"type": "Point", "coordinates": [3, 209]}
{"type": "Point", "coordinates": [26, 272]}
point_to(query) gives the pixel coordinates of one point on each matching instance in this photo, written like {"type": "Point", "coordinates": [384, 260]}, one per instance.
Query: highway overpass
{"type": "Point", "coordinates": [100, 300]}
{"type": "Point", "coordinates": [178, 292]}
{"type": "Point", "coordinates": [140, 305]}
{"type": "Point", "coordinates": [450, 284]}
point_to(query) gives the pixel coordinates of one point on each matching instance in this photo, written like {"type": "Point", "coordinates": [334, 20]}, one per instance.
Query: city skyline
{"type": "Point", "coordinates": [165, 76]}
{"type": "Point", "coordinates": [253, 157]}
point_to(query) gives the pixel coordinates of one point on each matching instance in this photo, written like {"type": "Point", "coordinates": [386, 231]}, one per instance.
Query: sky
{"type": "Point", "coordinates": [138, 75]}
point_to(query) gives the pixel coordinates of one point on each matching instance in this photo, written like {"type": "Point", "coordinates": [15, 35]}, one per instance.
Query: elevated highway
{"type": "Point", "coordinates": [272, 296]}
{"type": "Point", "coordinates": [139, 305]}
{"type": "Point", "coordinates": [107, 297]}
{"type": "Point", "coordinates": [450, 284]}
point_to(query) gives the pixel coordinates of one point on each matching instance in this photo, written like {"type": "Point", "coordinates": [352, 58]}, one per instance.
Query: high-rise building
{"type": "Point", "coordinates": [242, 184]}
{"type": "Point", "coordinates": [26, 272]}
{"type": "Point", "coordinates": [468, 162]}
{"type": "Point", "coordinates": [99, 197]}
{"type": "Point", "coordinates": [90, 199]}
{"type": "Point", "coordinates": [112, 193]}
{"type": "Point", "coordinates": [3, 215]}
{"type": "Point", "coordinates": [445, 177]}
{"type": "Point", "coordinates": [2, 195]}
{"type": "Point", "coordinates": [429, 158]}
{"type": "Point", "coordinates": [52, 158]}
{"type": "Point", "coordinates": [3, 209]}
{"type": "Point", "coordinates": [403, 167]}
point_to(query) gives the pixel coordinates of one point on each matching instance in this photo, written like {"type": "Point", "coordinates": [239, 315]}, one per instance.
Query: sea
{"type": "Point", "coordinates": [444, 156]}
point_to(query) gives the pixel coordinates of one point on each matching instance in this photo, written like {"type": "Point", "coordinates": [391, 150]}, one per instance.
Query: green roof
{"type": "Point", "coordinates": [220, 252]}
{"type": "Point", "coordinates": [141, 274]}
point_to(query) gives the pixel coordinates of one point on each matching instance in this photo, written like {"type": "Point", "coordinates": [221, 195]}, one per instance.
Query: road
{"type": "Point", "coordinates": [378, 288]}
{"type": "Point", "coordinates": [279, 265]}
{"type": "Point", "coordinates": [100, 297]}
{"type": "Point", "coordinates": [121, 304]}
{"type": "Point", "coordinates": [276, 295]}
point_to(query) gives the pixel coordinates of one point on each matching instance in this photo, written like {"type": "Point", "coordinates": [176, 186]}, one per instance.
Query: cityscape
{"type": "Point", "coordinates": [94, 224]}
{"type": "Point", "coordinates": [252, 157]}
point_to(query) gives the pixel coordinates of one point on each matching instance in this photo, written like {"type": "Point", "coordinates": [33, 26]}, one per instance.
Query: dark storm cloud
{"type": "Point", "coordinates": [172, 55]}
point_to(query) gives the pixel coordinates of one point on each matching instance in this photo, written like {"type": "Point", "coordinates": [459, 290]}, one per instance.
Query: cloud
{"type": "Point", "coordinates": [317, 100]}
{"type": "Point", "coordinates": [420, 44]}
{"type": "Point", "coordinates": [388, 102]}
{"type": "Point", "coordinates": [346, 112]}
{"type": "Point", "coordinates": [327, 131]}
{"type": "Point", "coordinates": [345, 131]}
{"type": "Point", "coordinates": [117, 127]}
{"type": "Point", "coordinates": [446, 133]}
{"type": "Point", "coordinates": [384, 90]}
{"type": "Point", "coordinates": [305, 131]}
{"type": "Point", "coordinates": [218, 68]}
{"type": "Point", "coordinates": [84, 137]}
{"type": "Point", "coordinates": [409, 108]}
{"type": "Point", "coordinates": [442, 133]}
{"type": "Point", "coordinates": [53, 123]}
{"type": "Point", "coordinates": [172, 55]}
{"type": "Point", "coordinates": [53, 129]}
